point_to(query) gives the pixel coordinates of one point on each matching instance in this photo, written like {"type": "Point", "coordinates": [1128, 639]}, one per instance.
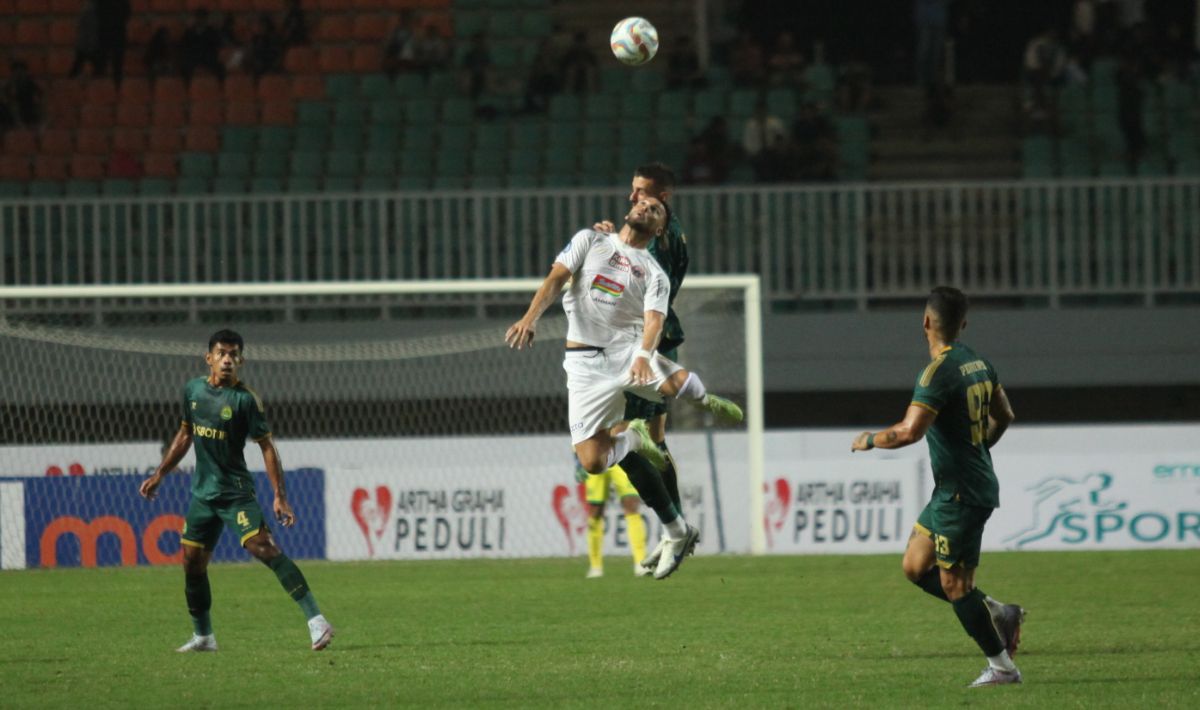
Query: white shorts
{"type": "Point", "coordinates": [597, 383]}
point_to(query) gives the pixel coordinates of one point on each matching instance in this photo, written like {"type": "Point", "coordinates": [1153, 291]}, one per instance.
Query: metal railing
{"type": "Point", "coordinates": [857, 243]}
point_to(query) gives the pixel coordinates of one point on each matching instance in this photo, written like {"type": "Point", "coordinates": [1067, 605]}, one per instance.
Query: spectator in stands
{"type": "Point", "coordinates": [87, 40]}
{"type": "Point", "coordinates": [579, 66]}
{"type": "Point", "coordinates": [399, 49]}
{"type": "Point", "coordinates": [157, 56]}
{"type": "Point", "coordinates": [762, 131]}
{"type": "Point", "coordinates": [683, 66]}
{"type": "Point", "coordinates": [813, 144]}
{"type": "Point", "coordinates": [1082, 37]}
{"type": "Point", "coordinates": [265, 52]}
{"type": "Point", "coordinates": [855, 86]}
{"type": "Point", "coordinates": [785, 67]}
{"type": "Point", "coordinates": [719, 148]}
{"type": "Point", "coordinates": [295, 25]}
{"type": "Point", "coordinates": [747, 64]}
{"type": "Point", "coordinates": [543, 80]}
{"type": "Point", "coordinates": [1045, 64]}
{"type": "Point", "coordinates": [21, 97]}
{"type": "Point", "coordinates": [1129, 108]}
{"type": "Point", "coordinates": [431, 51]}
{"type": "Point", "coordinates": [477, 63]}
{"type": "Point", "coordinates": [112, 25]}
{"type": "Point", "coordinates": [200, 47]}
{"type": "Point", "coordinates": [698, 167]}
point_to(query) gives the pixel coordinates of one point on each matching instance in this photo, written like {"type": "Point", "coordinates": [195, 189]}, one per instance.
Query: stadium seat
{"type": "Point", "coordinates": [87, 167]}
{"type": "Point", "coordinates": [311, 137]}
{"type": "Point", "coordinates": [278, 113]}
{"type": "Point", "coordinates": [565, 107]}
{"type": "Point", "coordinates": [674, 105]}
{"type": "Point", "coordinates": [135, 90]}
{"type": "Point", "coordinates": [342, 165]}
{"type": "Point", "coordinates": [92, 141]}
{"type": "Point", "coordinates": [233, 165]}
{"type": "Point", "coordinates": [154, 186]}
{"type": "Point", "coordinates": [241, 113]}
{"type": "Point", "coordinates": [16, 168]}
{"type": "Point", "coordinates": [341, 87]}
{"type": "Point", "coordinates": [366, 58]}
{"type": "Point", "coordinates": [492, 136]}
{"type": "Point", "coordinates": [169, 90]}
{"type": "Point", "coordinates": [165, 140]}
{"type": "Point", "coordinates": [377, 86]}
{"type": "Point", "coordinates": [168, 114]}
{"type": "Point", "coordinates": [458, 110]}
{"type": "Point", "coordinates": [382, 138]}
{"type": "Point", "coordinates": [454, 138]}
{"type": "Point", "coordinates": [371, 28]}
{"type": "Point", "coordinates": [239, 88]}
{"type": "Point", "coordinates": [599, 132]}
{"type": "Point", "coordinates": [115, 187]}
{"type": "Point", "coordinates": [238, 139]}
{"type": "Point", "coordinates": [300, 60]}
{"type": "Point", "coordinates": [223, 185]}
{"type": "Point", "coordinates": [274, 139]}
{"type": "Point", "coordinates": [96, 116]}
{"type": "Point", "coordinates": [334, 60]}
{"type": "Point", "coordinates": [196, 165]}
{"type": "Point", "coordinates": [421, 111]}
{"type": "Point", "coordinates": [266, 185]}
{"type": "Point", "coordinates": [20, 141]}
{"type": "Point", "coordinates": [57, 141]}
{"type": "Point", "coordinates": [379, 164]}
{"type": "Point", "coordinates": [130, 115]}
{"type": "Point", "coordinates": [270, 165]}
{"type": "Point", "coordinates": [310, 113]}
{"type": "Point", "coordinates": [202, 139]}
{"type": "Point", "coordinates": [50, 167]}
{"type": "Point", "coordinates": [309, 87]}
{"type": "Point", "coordinates": [349, 112]}
{"type": "Point", "coordinates": [347, 139]}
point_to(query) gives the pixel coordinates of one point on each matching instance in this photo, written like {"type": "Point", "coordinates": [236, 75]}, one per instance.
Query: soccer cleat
{"type": "Point", "coordinates": [640, 571]}
{"type": "Point", "coordinates": [723, 408]}
{"type": "Point", "coordinates": [646, 446]}
{"type": "Point", "coordinates": [320, 631]}
{"type": "Point", "coordinates": [675, 551]}
{"type": "Point", "coordinates": [199, 643]}
{"type": "Point", "coordinates": [594, 572]}
{"type": "Point", "coordinates": [995, 676]}
{"type": "Point", "coordinates": [651, 560]}
{"type": "Point", "coordinates": [1008, 620]}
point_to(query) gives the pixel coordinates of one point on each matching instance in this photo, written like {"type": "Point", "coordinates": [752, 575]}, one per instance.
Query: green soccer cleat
{"type": "Point", "coordinates": [723, 408]}
{"type": "Point", "coordinates": [646, 446]}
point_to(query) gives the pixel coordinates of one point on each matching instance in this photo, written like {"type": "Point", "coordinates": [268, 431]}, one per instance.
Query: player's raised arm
{"type": "Point", "coordinates": [1000, 416]}
{"type": "Point", "coordinates": [640, 372]}
{"type": "Point", "coordinates": [520, 334]}
{"type": "Point", "coordinates": [283, 510]}
{"type": "Point", "coordinates": [910, 430]}
{"type": "Point", "coordinates": [175, 453]}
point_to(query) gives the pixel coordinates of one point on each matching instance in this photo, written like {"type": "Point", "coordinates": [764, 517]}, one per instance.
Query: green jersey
{"type": "Point", "coordinates": [957, 386]}
{"type": "Point", "coordinates": [670, 251]}
{"type": "Point", "coordinates": [221, 419]}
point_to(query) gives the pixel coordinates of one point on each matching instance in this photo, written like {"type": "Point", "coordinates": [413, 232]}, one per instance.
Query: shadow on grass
{"type": "Point", "coordinates": [354, 647]}
{"type": "Point", "coordinates": [1130, 650]}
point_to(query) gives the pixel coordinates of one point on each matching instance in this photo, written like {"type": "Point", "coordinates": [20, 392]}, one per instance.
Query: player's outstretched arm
{"type": "Point", "coordinates": [917, 421]}
{"type": "Point", "coordinates": [1000, 416]}
{"type": "Point", "coordinates": [520, 334]}
{"type": "Point", "coordinates": [283, 510]}
{"type": "Point", "coordinates": [640, 372]}
{"type": "Point", "coordinates": [175, 453]}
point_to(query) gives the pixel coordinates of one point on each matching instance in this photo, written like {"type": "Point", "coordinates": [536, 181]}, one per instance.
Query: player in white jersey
{"type": "Point", "coordinates": [616, 305]}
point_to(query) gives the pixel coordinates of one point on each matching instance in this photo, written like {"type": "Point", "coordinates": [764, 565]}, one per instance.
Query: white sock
{"type": "Point", "coordinates": [1002, 662]}
{"type": "Point", "coordinates": [676, 529]}
{"type": "Point", "coordinates": [622, 445]}
{"type": "Point", "coordinates": [692, 388]}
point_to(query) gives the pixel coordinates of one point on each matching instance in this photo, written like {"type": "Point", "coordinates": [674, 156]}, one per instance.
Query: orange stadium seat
{"type": "Point", "coordinates": [31, 7]}
{"type": "Point", "coordinates": [59, 61]}
{"type": "Point", "coordinates": [140, 30]}
{"type": "Point", "coordinates": [193, 5]}
{"type": "Point", "coordinates": [70, 8]}
{"type": "Point", "coordinates": [165, 139]}
{"type": "Point", "coordinates": [168, 114]}
{"type": "Point", "coordinates": [139, 7]}
{"type": "Point", "coordinates": [92, 141]}
{"type": "Point", "coordinates": [300, 60]}
{"type": "Point", "coordinates": [205, 88]}
{"type": "Point", "coordinates": [334, 4]}
{"type": "Point", "coordinates": [239, 87]}
{"type": "Point", "coordinates": [367, 58]}
{"type": "Point", "coordinates": [278, 113]}
{"type": "Point", "coordinates": [334, 28]}
{"type": "Point", "coordinates": [8, 33]}
{"type": "Point", "coordinates": [87, 167]}
{"type": "Point", "coordinates": [131, 115]}
{"type": "Point", "coordinates": [334, 60]}
{"type": "Point", "coordinates": [274, 88]}
{"type": "Point", "coordinates": [32, 33]}
{"type": "Point", "coordinates": [20, 141]}
{"type": "Point", "coordinates": [130, 140]}
{"type": "Point", "coordinates": [207, 114]}
{"type": "Point", "coordinates": [170, 90]}
{"type": "Point", "coordinates": [202, 139]}
{"type": "Point", "coordinates": [372, 28]}
{"type": "Point", "coordinates": [57, 141]}
{"type": "Point", "coordinates": [92, 116]}
{"type": "Point", "coordinates": [15, 167]}
{"type": "Point", "coordinates": [271, 5]}
{"type": "Point", "coordinates": [241, 113]}
{"type": "Point", "coordinates": [62, 32]}
{"type": "Point", "coordinates": [50, 167]}
{"type": "Point", "coordinates": [100, 92]}
{"type": "Point", "coordinates": [34, 57]}
{"type": "Point", "coordinates": [230, 5]}
{"type": "Point", "coordinates": [168, 7]}
{"type": "Point", "coordinates": [135, 90]}
{"type": "Point", "coordinates": [161, 165]}
{"type": "Point", "coordinates": [308, 86]}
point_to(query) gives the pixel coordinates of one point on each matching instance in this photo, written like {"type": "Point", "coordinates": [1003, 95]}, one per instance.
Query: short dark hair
{"type": "Point", "coordinates": [663, 176]}
{"type": "Point", "coordinates": [950, 306]}
{"type": "Point", "coordinates": [228, 337]}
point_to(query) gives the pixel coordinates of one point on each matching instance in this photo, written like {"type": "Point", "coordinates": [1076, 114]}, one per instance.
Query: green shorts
{"type": "Point", "coordinates": [205, 519]}
{"type": "Point", "coordinates": [638, 408]}
{"type": "Point", "coordinates": [956, 529]}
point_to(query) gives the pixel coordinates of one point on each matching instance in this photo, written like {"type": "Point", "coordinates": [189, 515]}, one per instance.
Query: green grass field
{"type": "Point", "coordinates": [1104, 630]}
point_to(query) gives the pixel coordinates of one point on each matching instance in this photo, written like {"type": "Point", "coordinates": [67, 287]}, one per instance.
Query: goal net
{"type": "Point", "coordinates": [407, 429]}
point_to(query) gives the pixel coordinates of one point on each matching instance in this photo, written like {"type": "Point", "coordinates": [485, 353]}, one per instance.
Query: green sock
{"type": "Point", "coordinates": [649, 484]}
{"type": "Point", "coordinates": [293, 582]}
{"type": "Point", "coordinates": [670, 478]}
{"type": "Point", "coordinates": [975, 618]}
{"type": "Point", "coordinates": [931, 583]}
{"type": "Point", "coordinates": [199, 601]}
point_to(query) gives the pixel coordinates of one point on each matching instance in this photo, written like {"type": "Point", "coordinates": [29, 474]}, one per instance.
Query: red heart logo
{"type": "Point", "coordinates": [776, 507]}
{"type": "Point", "coordinates": [371, 516]}
{"type": "Point", "coordinates": [571, 514]}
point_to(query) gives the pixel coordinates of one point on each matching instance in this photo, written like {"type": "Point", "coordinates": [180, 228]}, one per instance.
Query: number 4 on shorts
{"type": "Point", "coordinates": [243, 519]}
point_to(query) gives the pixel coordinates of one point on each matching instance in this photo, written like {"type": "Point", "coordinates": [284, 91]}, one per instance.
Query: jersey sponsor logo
{"type": "Point", "coordinates": [207, 432]}
{"type": "Point", "coordinates": [620, 262]}
{"type": "Point", "coordinates": [972, 367]}
{"type": "Point", "coordinates": [607, 285]}
{"type": "Point", "coordinates": [227, 412]}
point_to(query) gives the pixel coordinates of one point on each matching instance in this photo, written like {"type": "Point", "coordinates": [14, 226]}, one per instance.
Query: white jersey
{"type": "Point", "coordinates": [613, 285]}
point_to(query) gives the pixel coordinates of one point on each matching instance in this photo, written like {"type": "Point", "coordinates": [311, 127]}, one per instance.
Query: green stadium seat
{"type": "Point", "coordinates": [309, 113]}
{"type": "Point", "coordinates": [341, 183]}
{"type": "Point", "coordinates": [196, 165]}
{"type": "Point", "coordinates": [456, 138]}
{"type": "Point", "coordinates": [238, 139]}
{"type": "Point", "coordinates": [599, 161]}
{"type": "Point", "coordinates": [633, 135]}
{"type": "Point", "coordinates": [308, 163]}
{"type": "Point", "coordinates": [413, 182]}
{"type": "Point", "coordinates": [502, 25]}
{"type": "Point", "coordinates": [341, 87]}
{"type": "Point", "coordinates": [507, 56]}
{"type": "Point", "coordinates": [271, 165]}
{"type": "Point", "coordinates": [231, 165]}
{"type": "Point", "coordinates": [852, 128]}
{"type": "Point", "coordinates": [450, 182]}
{"type": "Point", "coordinates": [741, 103]}
{"type": "Point", "coordinates": [493, 136]}
{"type": "Point", "coordinates": [561, 161]}
{"type": "Point", "coordinates": [46, 188]}
{"type": "Point", "coordinates": [674, 105]}
{"type": "Point", "coordinates": [487, 162]}
{"type": "Point", "coordinates": [486, 182]}
{"type": "Point", "coordinates": [82, 188]}
{"type": "Point", "coordinates": [522, 180]}
{"type": "Point", "coordinates": [193, 185]}
{"type": "Point", "coordinates": [11, 188]}
{"type": "Point", "coordinates": [118, 188]}
{"type": "Point", "coordinates": [1075, 158]}
{"type": "Point", "coordinates": [458, 110]}
{"type": "Point", "coordinates": [387, 112]}
{"type": "Point", "coordinates": [303, 184]}
{"type": "Point", "coordinates": [524, 162]}
{"type": "Point", "coordinates": [377, 86]}
{"type": "Point", "coordinates": [614, 79]}
{"type": "Point", "coordinates": [565, 107]}
{"type": "Point", "coordinates": [820, 79]}
{"type": "Point", "coordinates": [451, 164]}
{"type": "Point", "coordinates": [347, 138]}
{"type": "Point", "coordinates": [468, 24]}
{"type": "Point", "coordinates": [312, 137]}
{"type": "Point", "coordinates": [528, 135]}
{"type": "Point", "coordinates": [1114, 168]}
{"type": "Point", "coordinates": [637, 107]}
{"type": "Point", "coordinates": [649, 81]}
{"type": "Point", "coordinates": [600, 131]}
{"type": "Point", "coordinates": [536, 24]}
{"type": "Point", "coordinates": [154, 187]}
{"type": "Point", "coordinates": [709, 103]}
{"type": "Point", "coordinates": [266, 185]}
{"type": "Point", "coordinates": [418, 138]}
{"type": "Point", "coordinates": [349, 113]}
{"type": "Point", "coordinates": [443, 84]}
{"type": "Point", "coordinates": [559, 179]}
{"type": "Point", "coordinates": [1153, 166]}
{"type": "Point", "coordinates": [274, 139]}
{"type": "Point", "coordinates": [342, 165]}
{"type": "Point", "coordinates": [719, 77]}
{"type": "Point", "coordinates": [378, 183]}
{"type": "Point", "coordinates": [564, 136]}
{"type": "Point", "coordinates": [229, 185]}
{"type": "Point", "coordinates": [379, 164]}
{"type": "Point", "coordinates": [409, 85]}
{"type": "Point", "coordinates": [383, 138]}
{"type": "Point", "coordinates": [422, 112]}
{"type": "Point", "coordinates": [782, 103]}
{"type": "Point", "coordinates": [413, 163]}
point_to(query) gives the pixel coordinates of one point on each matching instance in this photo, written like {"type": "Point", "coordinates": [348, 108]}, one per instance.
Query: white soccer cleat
{"type": "Point", "coordinates": [320, 631]}
{"type": "Point", "coordinates": [995, 676]}
{"type": "Point", "coordinates": [199, 643]}
{"type": "Point", "coordinates": [594, 573]}
{"type": "Point", "coordinates": [645, 444]}
{"type": "Point", "coordinates": [640, 571]}
{"type": "Point", "coordinates": [651, 560]}
{"type": "Point", "coordinates": [675, 551]}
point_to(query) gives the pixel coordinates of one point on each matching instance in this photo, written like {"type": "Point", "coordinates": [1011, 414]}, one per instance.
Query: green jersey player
{"type": "Point", "coordinates": [219, 413]}
{"type": "Point", "coordinates": [670, 250]}
{"type": "Point", "coordinates": [959, 403]}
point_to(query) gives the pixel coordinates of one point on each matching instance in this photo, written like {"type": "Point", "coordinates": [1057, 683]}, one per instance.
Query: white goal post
{"type": "Point", "coordinates": [69, 339]}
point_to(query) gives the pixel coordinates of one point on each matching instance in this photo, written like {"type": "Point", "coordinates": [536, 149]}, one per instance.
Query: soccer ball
{"type": "Point", "coordinates": [634, 41]}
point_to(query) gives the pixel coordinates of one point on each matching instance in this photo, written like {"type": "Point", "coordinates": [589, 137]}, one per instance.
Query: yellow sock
{"type": "Point", "coordinates": [596, 542]}
{"type": "Point", "coordinates": [635, 528]}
